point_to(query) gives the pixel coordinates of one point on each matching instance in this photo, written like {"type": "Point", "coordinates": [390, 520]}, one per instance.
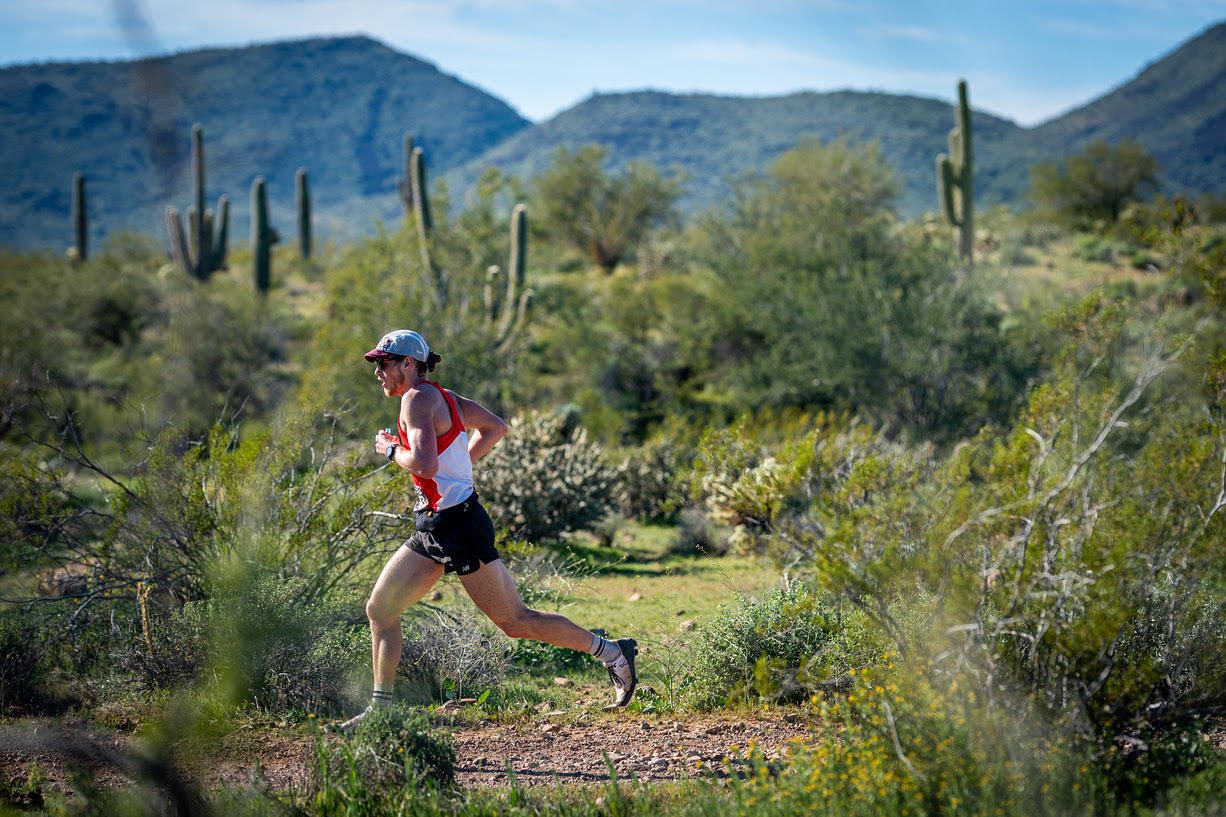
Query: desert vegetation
{"type": "Point", "coordinates": [962, 522]}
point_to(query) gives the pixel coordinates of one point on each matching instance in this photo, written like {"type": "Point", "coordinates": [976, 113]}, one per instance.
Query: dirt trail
{"type": "Point", "coordinates": [543, 749]}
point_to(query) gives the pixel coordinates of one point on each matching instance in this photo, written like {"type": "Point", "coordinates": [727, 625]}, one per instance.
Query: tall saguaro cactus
{"type": "Point", "coordinates": [302, 193]}
{"type": "Point", "coordinates": [415, 195]}
{"type": "Point", "coordinates": [201, 250]}
{"type": "Point", "coordinates": [80, 219]}
{"type": "Point", "coordinates": [404, 184]}
{"type": "Point", "coordinates": [505, 318]}
{"type": "Point", "coordinates": [955, 182]}
{"type": "Point", "coordinates": [263, 236]}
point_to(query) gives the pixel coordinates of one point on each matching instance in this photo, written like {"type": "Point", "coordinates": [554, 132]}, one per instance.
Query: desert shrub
{"type": "Point", "coordinates": [546, 478]}
{"type": "Point", "coordinates": [697, 533]}
{"type": "Point", "coordinates": [762, 648]}
{"type": "Point", "coordinates": [646, 487]}
{"type": "Point", "coordinates": [1097, 248]}
{"type": "Point", "coordinates": [286, 502]}
{"type": "Point", "coordinates": [815, 298]}
{"type": "Point", "coordinates": [454, 655]}
{"type": "Point", "coordinates": [23, 664]}
{"type": "Point", "coordinates": [770, 492]}
{"type": "Point", "coordinates": [1069, 564]}
{"type": "Point", "coordinates": [275, 645]}
{"type": "Point", "coordinates": [392, 752]}
{"type": "Point", "coordinates": [1095, 185]}
{"type": "Point", "coordinates": [1144, 260]}
{"type": "Point", "coordinates": [1015, 253]}
{"type": "Point", "coordinates": [904, 746]}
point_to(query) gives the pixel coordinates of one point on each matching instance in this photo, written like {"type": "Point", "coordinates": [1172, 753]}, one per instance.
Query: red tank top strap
{"type": "Point", "coordinates": [457, 425]}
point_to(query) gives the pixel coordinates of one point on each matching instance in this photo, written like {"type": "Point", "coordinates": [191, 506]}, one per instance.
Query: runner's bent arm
{"type": "Point", "coordinates": [484, 426]}
{"type": "Point", "coordinates": [417, 416]}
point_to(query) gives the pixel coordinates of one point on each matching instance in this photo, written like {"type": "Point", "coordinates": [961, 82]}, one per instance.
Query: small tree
{"type": "Point", "coordinates": [603, 216]}
{"type": "Point", "coordinates": [1096, 184]}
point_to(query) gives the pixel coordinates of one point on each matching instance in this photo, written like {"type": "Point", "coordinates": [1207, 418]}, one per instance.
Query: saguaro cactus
{"type": "Point", "coordinates": [302, 192]}
{"type": "Point", "coordinates": [263, 236]}
{"type": "Point", "coordinates": [198, 251]}
{"type": "Point", "coordinates": [80, 219]}
{"type": "Point", "coordinates": [505, 318]}
{"type": "Point", "coordinates": [955, 182]}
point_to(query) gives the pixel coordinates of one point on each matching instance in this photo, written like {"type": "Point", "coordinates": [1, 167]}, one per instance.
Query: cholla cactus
{"type": "Point", "coordinates": [570, 486]}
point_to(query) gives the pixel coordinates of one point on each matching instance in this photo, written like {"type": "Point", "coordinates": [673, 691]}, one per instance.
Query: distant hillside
{"type": "Point", "coordinates": [1175, 107]}
{"type": "Point", "coordinates": [713, 138]}
{"type": "Point", "coordinates": [339, 107]}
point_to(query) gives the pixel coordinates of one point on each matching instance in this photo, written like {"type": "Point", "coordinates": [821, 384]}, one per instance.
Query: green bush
{"type": "Point", "coordinates": [1097, 248]}
{"type": "Point", "coordinates": [455, 656]}
{"type": "Point", "coordinates": [1144, 260]}
{"type": "Point", "coordinates": [1072, 562]}
{"type": "Point", "coordinates": [390, 754]}
{"type": "Point", "coordinates": [276, 646]}
{"type": "Point", "coordinates": [900, 746]}
{"type": "Point", "coordinates": [545, 478]}
{"type": "Point", "coordinates": [764, 648]}
{"type": "Point", "coordinates": [815, 298]}
{"type": "Point", "coordinates": [23, 662]}
{"type": "Point", "coordinates": [647, 488]}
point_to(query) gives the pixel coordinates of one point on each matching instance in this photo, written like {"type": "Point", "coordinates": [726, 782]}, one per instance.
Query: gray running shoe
{"type": "Point", "coordinates": [353, 723]}
{"type": "Point", "coordinates": [621, 671]}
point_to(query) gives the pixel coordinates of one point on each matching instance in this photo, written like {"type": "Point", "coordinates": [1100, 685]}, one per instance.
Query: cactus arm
{"type": "Point", "coordinates": [945, 189]}
{"type": "Point", "coordinates": [487, 294]}
{"type": "Point", "coordinates": [193, 238]}
{"type": "Point", "coordinates": [302, 192]}
{"type": "Point", "coordinates": [521, 318]}
{"type": "Point", "coordinates": [223, 233]}
{"type": "Point", "coordinates": [178, 241]}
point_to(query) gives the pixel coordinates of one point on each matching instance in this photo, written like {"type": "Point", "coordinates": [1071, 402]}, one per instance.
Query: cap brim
{"type": "Point", "coordinates": [377, 354]}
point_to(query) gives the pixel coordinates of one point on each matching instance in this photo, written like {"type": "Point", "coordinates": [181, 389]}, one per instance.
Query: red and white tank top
{"type": "Point", "coordinates": [453, 482]}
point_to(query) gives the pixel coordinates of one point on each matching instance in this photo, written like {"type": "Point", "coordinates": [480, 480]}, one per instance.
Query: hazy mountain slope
{"type": "Point", "coordinates": [340, 107]}
{"type": "Point", "coordinates": [712, 138]}
{"type": "Point", "coordinates": [1175, 107]}
{"type": "Point", "coordinates": [337, 106]}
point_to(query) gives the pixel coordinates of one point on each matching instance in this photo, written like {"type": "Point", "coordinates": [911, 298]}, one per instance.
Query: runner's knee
{"type": "Point", "coordinates": [380, 617]}
{"type": "Point", "coordinates": [520, 624]}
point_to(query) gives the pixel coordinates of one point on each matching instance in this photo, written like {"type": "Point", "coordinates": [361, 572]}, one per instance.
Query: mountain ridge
{"type": "Point", "coordinates": [340, 106]}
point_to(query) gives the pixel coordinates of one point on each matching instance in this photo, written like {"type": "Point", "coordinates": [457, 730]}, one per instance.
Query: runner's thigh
{"type": "Point", "coordinates": [406, 577]}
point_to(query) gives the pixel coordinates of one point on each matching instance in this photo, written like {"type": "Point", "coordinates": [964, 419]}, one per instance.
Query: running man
{"type": "Point", "coordinates": [440, 435]}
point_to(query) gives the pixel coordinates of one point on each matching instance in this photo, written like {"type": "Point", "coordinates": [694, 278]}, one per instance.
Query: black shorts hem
{"type": "Point", "coordinates": [461, 538]}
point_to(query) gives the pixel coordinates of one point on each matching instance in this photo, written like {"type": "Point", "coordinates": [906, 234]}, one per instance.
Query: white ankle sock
{"type": "Point", "coordinates": [605, 650]}
{"type": "Point", "coordinates": [383, 694]}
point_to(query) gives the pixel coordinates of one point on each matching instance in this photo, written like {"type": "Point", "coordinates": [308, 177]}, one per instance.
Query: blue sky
{"type": "Point", "coordinates": [1027, 61]}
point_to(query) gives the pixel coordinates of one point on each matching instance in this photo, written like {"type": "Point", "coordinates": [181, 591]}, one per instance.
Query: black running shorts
{"type": "Point", "coordinates": [460, 538]}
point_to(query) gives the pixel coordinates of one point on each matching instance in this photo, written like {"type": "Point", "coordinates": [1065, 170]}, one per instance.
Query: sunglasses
{"type": "Point", "coordinates": [383, 362]}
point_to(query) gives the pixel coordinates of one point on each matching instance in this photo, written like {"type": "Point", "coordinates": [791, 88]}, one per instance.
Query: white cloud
{"type": "Point", "coordinates": [918, 33]}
